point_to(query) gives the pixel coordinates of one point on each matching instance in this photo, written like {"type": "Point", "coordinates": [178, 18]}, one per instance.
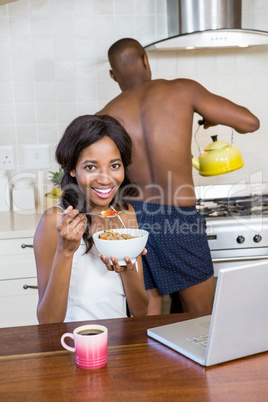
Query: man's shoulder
{"type": "Point", "coordinates": [175, 81]}
{"type": "Point", "coordinates": [169, 88]}
{"type": "Point", "coordinates": [153, 88]}
{"type": "Point", "coordinates": [108, 108]}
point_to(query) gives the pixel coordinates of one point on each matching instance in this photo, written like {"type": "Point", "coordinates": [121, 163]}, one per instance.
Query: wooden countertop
{"type": "Point", "coordinates": [35, 367]}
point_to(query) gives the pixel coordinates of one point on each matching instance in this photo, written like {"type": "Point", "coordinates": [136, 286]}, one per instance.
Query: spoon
{"type": "Point", "coordinates": [103, 214]}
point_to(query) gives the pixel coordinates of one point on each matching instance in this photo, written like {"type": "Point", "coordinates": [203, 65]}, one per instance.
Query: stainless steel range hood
{"type": "Point", "coordinates": [196, 24]}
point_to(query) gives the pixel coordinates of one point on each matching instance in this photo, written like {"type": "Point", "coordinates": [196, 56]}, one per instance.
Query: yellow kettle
{"type": "Point", "coordinates": [218, 157]}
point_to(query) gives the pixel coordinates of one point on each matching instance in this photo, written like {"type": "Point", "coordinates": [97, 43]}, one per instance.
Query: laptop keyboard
{"type": "Point", "coordinates": [201, 340]}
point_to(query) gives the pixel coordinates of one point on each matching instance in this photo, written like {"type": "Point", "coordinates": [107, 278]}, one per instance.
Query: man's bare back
{"type": "Point", "coordinates": [158, 115]}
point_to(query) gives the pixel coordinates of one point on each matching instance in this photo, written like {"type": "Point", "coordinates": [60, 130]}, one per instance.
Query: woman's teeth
{"type": "Point", "coordinates": [103, 192]}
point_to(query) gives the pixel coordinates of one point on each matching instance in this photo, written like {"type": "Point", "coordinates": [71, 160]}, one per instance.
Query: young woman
{"type": "Point", "coordinates": [75, 283]}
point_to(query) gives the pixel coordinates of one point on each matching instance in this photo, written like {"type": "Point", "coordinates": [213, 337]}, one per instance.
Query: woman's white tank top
{"type": "Point", "coordinates": [94, 293]}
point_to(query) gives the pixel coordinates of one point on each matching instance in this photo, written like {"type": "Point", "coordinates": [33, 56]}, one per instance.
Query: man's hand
{"type": "Point", "coordinates": [206, 123]}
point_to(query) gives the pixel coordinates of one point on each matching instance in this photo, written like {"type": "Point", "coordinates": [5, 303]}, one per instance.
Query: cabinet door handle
{"type": "Point", "coordinates": [26, 245]}
{"type": "Point", "coordinates": [29, 287]}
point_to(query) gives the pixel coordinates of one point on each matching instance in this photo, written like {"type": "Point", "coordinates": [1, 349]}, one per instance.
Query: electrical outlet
{"type": "Point", "coordinates": [36, 156]}
{"type": "Point", "coordinates": [6, 157]}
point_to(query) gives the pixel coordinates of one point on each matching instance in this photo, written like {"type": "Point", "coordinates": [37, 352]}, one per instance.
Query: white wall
{"type": "Point", "coordinates": [53, 67]}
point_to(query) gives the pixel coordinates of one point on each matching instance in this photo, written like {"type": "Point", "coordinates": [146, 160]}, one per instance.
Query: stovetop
{"type": "Point", "coordinates": [237, 220]}
{"type": "Point", "coordinates": [255, 205]}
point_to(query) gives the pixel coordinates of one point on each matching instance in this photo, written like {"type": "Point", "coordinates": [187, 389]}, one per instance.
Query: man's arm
{"type": "Point", "coordinates": [218, 110]}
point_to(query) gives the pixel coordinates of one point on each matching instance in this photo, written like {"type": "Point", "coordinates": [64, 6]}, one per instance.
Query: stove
{"type": "Point", "coordinates": [237, 226]}
{"type": "Point", "coordinates": [234, 207]}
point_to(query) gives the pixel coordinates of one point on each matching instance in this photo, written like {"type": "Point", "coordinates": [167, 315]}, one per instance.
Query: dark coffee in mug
{"type": "Point", "coordinates": [89, 332]}
{"type": "Point", "coordinates": [90, 351]}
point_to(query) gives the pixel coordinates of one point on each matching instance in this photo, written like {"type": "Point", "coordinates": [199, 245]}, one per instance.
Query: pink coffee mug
{"type": "Point", "coordinates": [90, 345]}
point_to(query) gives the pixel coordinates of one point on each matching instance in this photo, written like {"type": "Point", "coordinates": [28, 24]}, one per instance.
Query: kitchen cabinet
{"type": "Point", "coordinates": [18, 283]}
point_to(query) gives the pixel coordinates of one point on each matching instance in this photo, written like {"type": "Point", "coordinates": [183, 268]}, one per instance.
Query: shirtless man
{"type": "Point", "coordinates": [158, 115]}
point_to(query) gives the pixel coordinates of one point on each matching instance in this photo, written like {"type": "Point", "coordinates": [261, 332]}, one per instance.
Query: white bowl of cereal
{"type": "Point", "coordinates": [121, 243]}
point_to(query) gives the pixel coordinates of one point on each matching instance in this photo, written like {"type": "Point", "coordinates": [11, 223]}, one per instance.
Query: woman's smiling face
{"type": "Point", "coordinates": [99, 172]}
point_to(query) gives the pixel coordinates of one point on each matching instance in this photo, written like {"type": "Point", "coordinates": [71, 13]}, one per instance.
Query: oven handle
{"type": "Point", "coordinates": [263, 257]}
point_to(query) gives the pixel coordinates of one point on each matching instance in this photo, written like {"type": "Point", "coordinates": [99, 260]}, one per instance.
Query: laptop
{"type": "Point", "coordinates": [238, 326]}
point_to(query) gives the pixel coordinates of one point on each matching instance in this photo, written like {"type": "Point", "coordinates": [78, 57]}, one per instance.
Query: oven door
{"type": "Point", "coordinates": [229, 263]}
{"type": "Point", "coordinates": [232, 258]}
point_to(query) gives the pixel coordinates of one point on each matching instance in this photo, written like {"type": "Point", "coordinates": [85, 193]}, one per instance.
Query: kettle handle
{"type": "Point", "coordinates": [201, 122]}
{"type": "Point", "coordinates": [232, 137]}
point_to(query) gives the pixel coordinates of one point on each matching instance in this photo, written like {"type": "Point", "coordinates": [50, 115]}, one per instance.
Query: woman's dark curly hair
{"type": "Point", "coordinates": [80, 134]}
